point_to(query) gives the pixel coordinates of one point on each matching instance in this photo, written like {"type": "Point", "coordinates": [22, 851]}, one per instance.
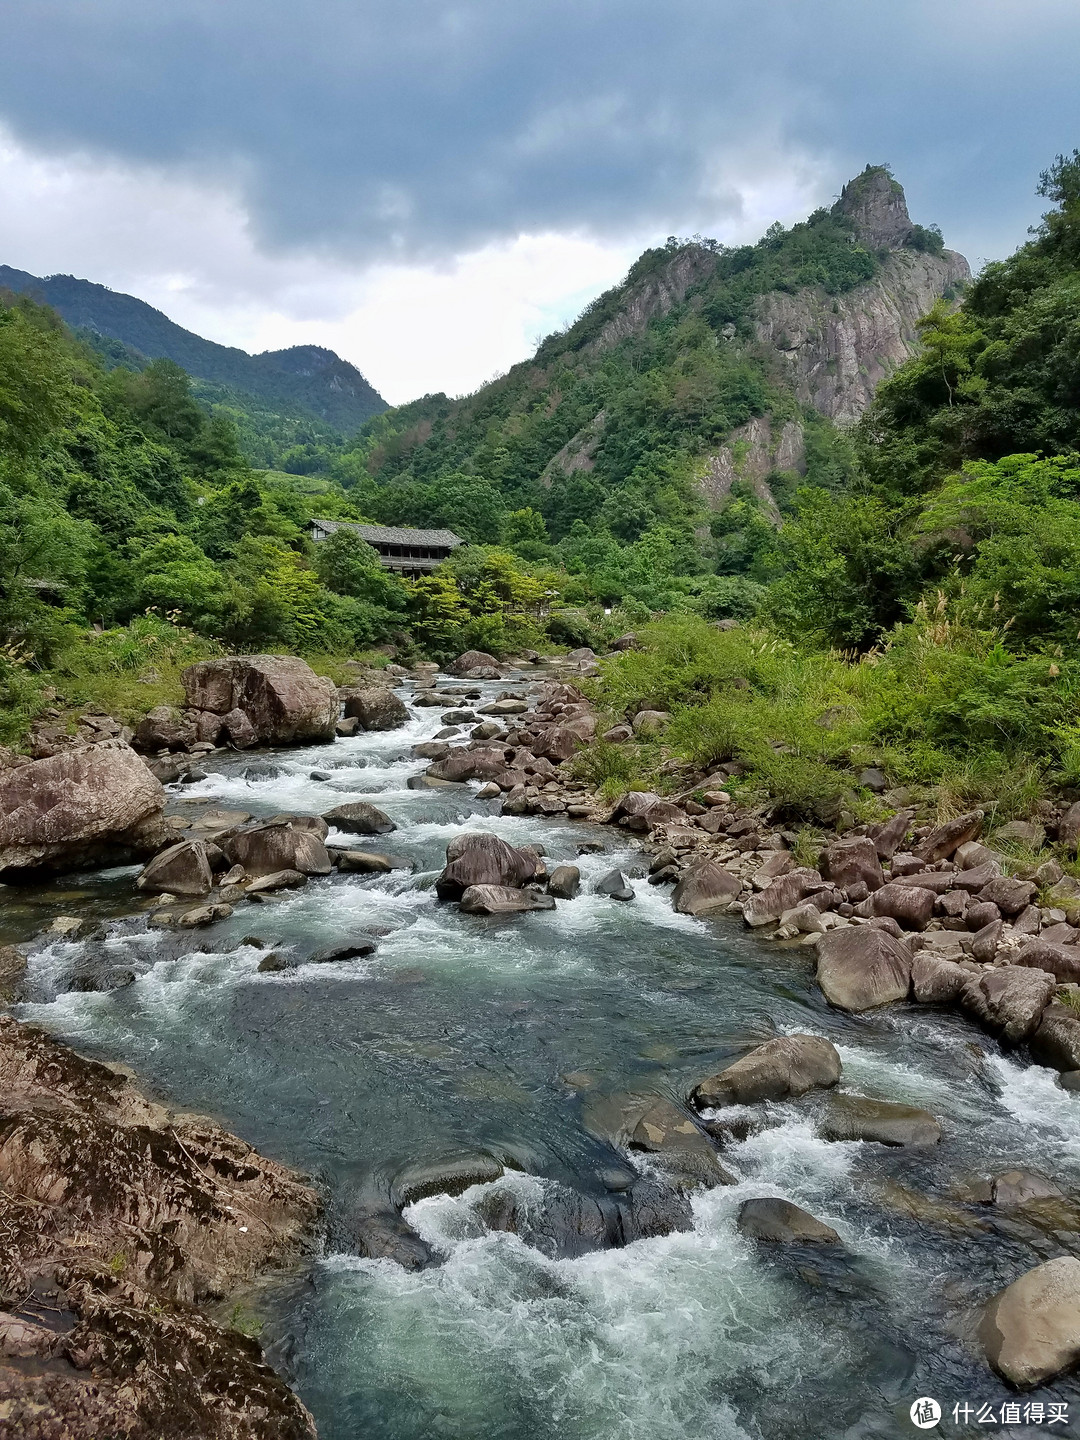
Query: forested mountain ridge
{"type": "Point", "coordinates": [307, 380]}
{"type": "Point", "coordinates": [708, 365]}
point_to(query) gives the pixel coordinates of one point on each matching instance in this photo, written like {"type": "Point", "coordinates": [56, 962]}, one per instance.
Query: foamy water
{"type": "Point", "coordinates": [502, 1036]}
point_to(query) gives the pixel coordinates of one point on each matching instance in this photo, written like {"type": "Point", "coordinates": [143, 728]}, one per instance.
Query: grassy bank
{"type": "Point", "coordinates": [949, 717]}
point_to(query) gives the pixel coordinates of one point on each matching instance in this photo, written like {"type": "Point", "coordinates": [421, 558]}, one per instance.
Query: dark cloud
{"type": "Point", "coordinates": [413, 128]}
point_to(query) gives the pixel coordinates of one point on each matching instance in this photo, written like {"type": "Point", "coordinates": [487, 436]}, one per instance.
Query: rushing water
{"type": "Point", "coordinates": [464, 1035]}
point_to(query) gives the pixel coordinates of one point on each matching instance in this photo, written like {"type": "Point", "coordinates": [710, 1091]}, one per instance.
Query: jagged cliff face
{"type": "Point", "coordinates": [654, 296]}
{"type": "Point", "coordinates": [834, 351]}
{"type": "Point", "coordinates": [751, 454]}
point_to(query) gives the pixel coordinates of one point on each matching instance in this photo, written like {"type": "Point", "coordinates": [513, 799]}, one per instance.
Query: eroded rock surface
{"type": "Point", "coordinates": [134, 1215]}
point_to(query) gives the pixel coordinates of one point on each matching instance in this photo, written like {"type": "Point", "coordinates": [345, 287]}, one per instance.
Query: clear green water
{"type": "Point", "coordinates": [455, 1038]}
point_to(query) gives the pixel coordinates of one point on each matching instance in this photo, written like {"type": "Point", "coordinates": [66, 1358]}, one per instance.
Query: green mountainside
{"type": "Point", "coordinates": [303, 383]}
{"type": "Point", "coordinates": [897, 530]}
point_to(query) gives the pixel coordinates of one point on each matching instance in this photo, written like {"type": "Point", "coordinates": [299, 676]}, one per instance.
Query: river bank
{"type": "Point", "coordinates": [521, 1044]}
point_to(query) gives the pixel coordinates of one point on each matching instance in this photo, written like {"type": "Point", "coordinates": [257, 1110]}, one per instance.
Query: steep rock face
{"type": "Point", "coordinates": [654, 295]}
{"type": "Point", "coordinates": [579, 452]}
{"type": "Point", "coordinates": [750, 454]}
{"type": "Point", "coordinates": [833, 351]}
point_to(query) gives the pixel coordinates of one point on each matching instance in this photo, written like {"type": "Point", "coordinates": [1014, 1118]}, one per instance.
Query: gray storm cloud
{"type": "Point", "coordinates": [419, 130]}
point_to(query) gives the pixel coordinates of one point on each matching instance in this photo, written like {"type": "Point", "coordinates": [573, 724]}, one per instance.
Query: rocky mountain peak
{"type": "Point", "coordinates": [875, 204]}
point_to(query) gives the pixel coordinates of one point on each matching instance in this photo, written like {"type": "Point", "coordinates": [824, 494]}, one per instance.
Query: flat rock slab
{"type": "Point", "coordinates": [857, 1117]}
{"type": "Point", "coordinates": [502, 900]}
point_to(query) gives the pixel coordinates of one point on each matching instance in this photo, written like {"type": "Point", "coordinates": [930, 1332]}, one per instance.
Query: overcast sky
{"type": "Point", "coordinates": [427, 186]}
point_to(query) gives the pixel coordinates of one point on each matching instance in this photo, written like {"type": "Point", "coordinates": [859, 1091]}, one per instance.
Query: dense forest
{"type": "Point", "coordinates": [924, 583]}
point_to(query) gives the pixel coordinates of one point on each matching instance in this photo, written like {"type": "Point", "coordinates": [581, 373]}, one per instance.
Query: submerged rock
{"type": "Point", "coordinates": [857, 1117]}
{"type": "Point", "coordinates": [1031, 1329]}
{"type": "Point", "coordinates": [781, 1221]}
{"type": "Point", "coordinates": [670, 1135]}
{"type": "Point", "coordinates": [788, 1066]}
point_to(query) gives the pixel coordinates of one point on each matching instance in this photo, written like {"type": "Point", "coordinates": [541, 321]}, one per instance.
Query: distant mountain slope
{"type": "Point", "coordinates": [304, 377]}
{"type": "Point", "coordinates": [708, 367]}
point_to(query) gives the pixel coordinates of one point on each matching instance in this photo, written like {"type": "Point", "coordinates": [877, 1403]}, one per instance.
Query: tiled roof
{"type": "Point", "coordinates": [392, 534]}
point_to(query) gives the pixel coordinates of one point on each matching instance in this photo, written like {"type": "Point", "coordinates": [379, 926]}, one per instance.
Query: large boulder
{"type": "Point", "coordinates": [359, 818]}
{"type": "Point", "coordinates": [461, 765]}
{"type": "Point", "coordinates": [90, 805]}
{"type": "Point", "coordinates": [863, 967]}
{"type": "Point", "coordinates": [485, 860]}
{"type": "Point", "coordinates": [1031, 1329]}
{"type": "Point", "coordinates": [781, 1221]}
{"type": "Point", "coordinates": [851, 862]}
{"type": "Point", "coordinates": [277, 845]}
{"type": "Point", "coordinates": [1063, 961]}
{"type": "Point", "coordinates": [503, 900]}
{"type": "Point", "coordinates": [911, 906]}
{"type": "Point", "coordinates": [790, 1065]}
{"type": "Point", "coordinates": [376, 708]}
{"type": "Point", "coordinates": [783, 894]}
{"type": "Point", "coordinates": [472, 660]}
{"type": "Point", "coordinates": [935, 981]}
{"type": "Point", "coordinates": [182, 869]}
{"type": "Point", "coordinates": [1056, 1041]}
{"type": "Point", "coordinates": [164, 728]}
{"type": "Point", "coordinates": [1010, 1000]}
{"type": "Point", "coordinates": [946, 839]}
{"type": "Point", "coordinates": [705, 888]}
{"type": "Point", "coordinates": [285, 702]}
{"type": "Point", "coordinates": [1010, 896]}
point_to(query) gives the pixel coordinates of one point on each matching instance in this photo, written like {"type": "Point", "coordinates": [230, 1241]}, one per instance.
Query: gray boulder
{"type": "Point", "coordinates": [359, 818]}
{"type": "Point", "coordinates": [565, 882]}
{"type": "Point", "coordinates": [705, 888]}
{"type": "Point", "coordinates": [614, 886]}
{"type": "Point", "coordinates": [1009, 1000]}
{"type": "Point", "coordinates": [503, 900]}
{"type": "Point", "coordinates": [783, 1223]}
{"type": "Point", "coordinates": [277, 845]}
{"type": "Point", "coordinates": [1031, 1329]}
{"type": "Point", "coordinates": [935, 981]}
{"type": "Point", "coordinates": [376, 708]}
{"type": "Point", "coordinates": [90, 805]}
{"type": "Point", "coordinates": [946, 839]}
{"type": "Point", "coordinates": [788, 1066]}
{"type": "Point", "coordinates": [1056, 1041]}
{"type": "Point", "coordinates": [863, 967]}
{"type": "Point", "coordinates": [850, 862]}
{"type": "Point", "coordinates": [282, 698]}
{"type": "Point", "coordinates": [483, 860]}
{"type": "Point", "coordinates": [182, 869]}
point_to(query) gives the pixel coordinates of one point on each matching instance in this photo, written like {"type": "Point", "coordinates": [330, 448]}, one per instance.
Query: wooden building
{"type": "Point", "coordinates": [407, 552]}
